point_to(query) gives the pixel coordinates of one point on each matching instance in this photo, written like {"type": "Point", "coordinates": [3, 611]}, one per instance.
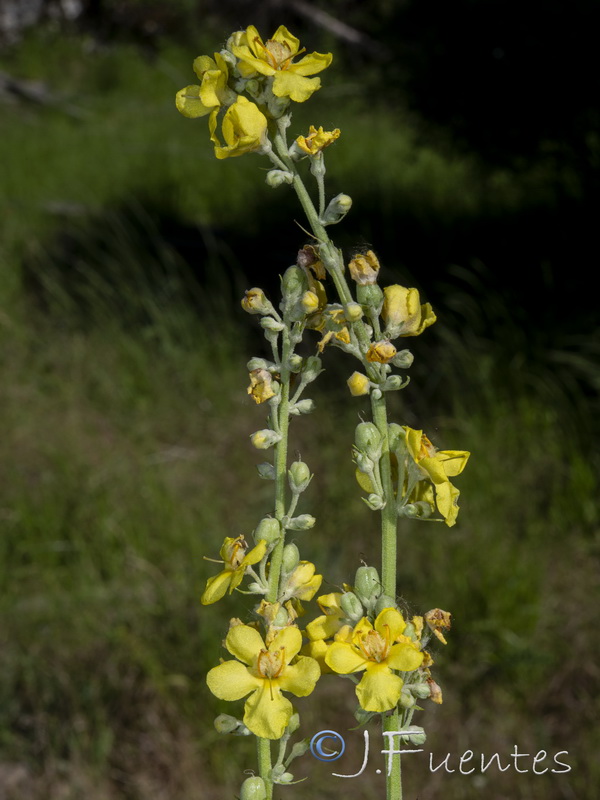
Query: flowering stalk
{"type": "Point", "coordinates": [361, 629]}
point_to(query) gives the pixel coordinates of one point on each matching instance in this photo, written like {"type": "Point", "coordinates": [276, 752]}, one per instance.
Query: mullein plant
{"type": "Point", "coordinates": [247, 91]}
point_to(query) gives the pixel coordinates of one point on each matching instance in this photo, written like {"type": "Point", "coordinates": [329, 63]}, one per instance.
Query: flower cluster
{"type": "Point", "coordinates": [252, 82]}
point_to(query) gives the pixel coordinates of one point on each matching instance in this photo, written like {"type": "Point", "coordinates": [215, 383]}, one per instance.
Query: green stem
{"type": "Point", "coordinates": [393, 780]}
{"type": "Point", "coordinates": [389, 512]}
{"type": "Point", "coordinates": [264, 764]}
{"type": "Point", "coordinates": [281, 449]}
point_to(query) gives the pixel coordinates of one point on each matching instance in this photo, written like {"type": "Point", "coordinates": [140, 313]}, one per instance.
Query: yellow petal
{"type": "Point", "coordinates": [202, 64]}
{"type": "Point", "coordinates": [404, 657]}
{"type": "Point", "coordinates": [312, 63]}
{"type": "Point", "coordinates": [454, 461]}
{"type": "Point", "coordinates": [267, 712]}
{"type": "Point", "coordinates": [446, 499]}
{"type": "Point", "coordinates": [216, 587]}
{"type": "Point", "coordinates": [256, 554]}
{"type": "Point", "coordinates": [300, 678]}
{"type": "Point", "coordinates": [290, 639]}
{"type": "Point", "coordinates": [379, 689]}
{"type": "Point", "coordinates": [292, 85]}
{"type": "Point", "coordinates": [343, 658]}
{"type": "Point", "coordinates": [231, 681]}
{"type": "Point", "coordinates": [244, 643]}
{"type": "Point", "coordinates": [189, 104]}
{"type": "Point", "coordinates": [322, 627]}
{"type": "Point", "coordinates": [391, 619]}
{"type": "Point", "coordinates": [283, 36]}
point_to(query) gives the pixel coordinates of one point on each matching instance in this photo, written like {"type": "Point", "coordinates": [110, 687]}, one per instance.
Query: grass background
{"type": "Point", "coordinates": [125, 455]}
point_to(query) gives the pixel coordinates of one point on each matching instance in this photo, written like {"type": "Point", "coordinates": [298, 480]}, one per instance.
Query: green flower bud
{"type": "Point", "coordinates": [266, 471]}
{"type": "Point", "coordinates": [277, 177]}
{"type": "Point", "coordinates": [385, 601]}
{"type": "Point", "coordinates": [306, 406]}
{"type": "Point", "coordinates": [304, 522]}
{"type": "Point", "coordinates": [351, 606]}
{"type": "Point", "coordinates": [371, 296]}
{"type": "Point", "coordinates": [364, 463]}
{"type": "Point", "coordinates": [260, 363]}
{"type": "Point", "coordinates": [420, 690]}
{"type": "Point", "coordinates": [291, 557]}
{"type": "Point", "coordinates": [268, 529]}
{"type": "Point", "coordinates": [362, 716]}
{"type": "Point", "coordinates": [253, 789]}
{"type": "Point", "coordinates": [366, 583]}
{"type": "Point", "coordinates": [417, 735]}
{"type": "Point", "coordinates": [407, 700]}
{"type": "Point", "coordinates": [375, 502]}
{"type": "Point", "coordinates": [394, 383]}
{"type": "Point", "coordinates": [225, 723]}
{"type": "Point", "coordinates": [281, 619]}
{"type": "Point", "coordinates": [285, 777]}
{"type": "Point", "coordinates": [294, 722]}
{"type": "Point", "coordinates": [353, 312]}
{"type": "Point", "coordinates": [295, 362]}
{"type": "Point", "coordinates": [299, 749]}
{"type": "Point", "coordinates": [337, 209]}
{"type": "Point", "coordinates": [403, 359]}
{"type": "Point", "coordinates": [311, 369]}
{"type": "Point", "coordinates": [299, 476]}
{"type": "Point", "coordinates": [368, 439]}
{"type": "Point", "coordinates": [265, 438]}
{"type": "Point", "coordinates": [270, 324]}
{"type": "Point", "coordinates": [256, 588]}
{"type": "Point", "coordinates": [293, 284]}
{"type": "Point", "coordinates": [396, 436]}
{"type": "Point", "coordinates": [255, 302]}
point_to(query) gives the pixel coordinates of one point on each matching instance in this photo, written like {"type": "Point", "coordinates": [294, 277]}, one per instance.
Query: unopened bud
{"type": "Point", "coordinates": [265, 438]}
{"type": "Point", "coordinates": [293, 284]}
{"type": "Point", "coordinates": [394, 383]}
{"type": "Point", "coordinates": [311, 369]}
{"type": "Point", "coordinates": [293, 724]}
{"type": "Point", "coordinates": [268, 529]}
{"type": "Point", "coordinates": [266, 471]}
{"type": "Point", "coordinates": [270, 324]}
{"type": "Point", "coordinates": [353, 312]}
{"type": "Point", "coordinates": [370, 295]}
{"type": "Point", "coordinates": [291, 557]}
{"type": "Point", "coordinates": [396, 436]}
{"type": "Point", "coordinates": [304, 522]}
{"type": "Point", "coordinates": [403, 359]}
{"type": "Point", "coordinates": [277, 177]}
{"type": "Point", "coordinates": [364, 463]}
{"type": "Point", "coordinates": [420, 690]}
{"type": "Point", "coordinates": [358, 384]}
{"type": "Point", "coordinates": [368, 439]}
{"type": "Point", "coordinates": [337, 209]}
{"type": "Point", "coordinates": [366, 583]}
{"type": "Point", "coordinates": [309, 302]}
{"type": "Point", "coordinates": [416, 735]}
{"type": "Point", "coordinates": [351, 606]}
{"type": "Point", "coordinates": [295, 362]}
{"type": "Point", "coordinates": [253, 789]}
{"type": "Point", "coordinates": [306, 406]}
{"type": "Point", "coordinates": [407, 700]}
{"type": "Point", "coordinates": [225, 723]}
{"type": "Point", "coordinates": [259, 363]}
{"type": "Point", "coordinates": [385, 601]}
{"type": "Point", "coordinates": [299, 476]}
{"type": "Point", "coordinates": [375, 502]}
{"type": "Point", "coordinates": [255, 302]}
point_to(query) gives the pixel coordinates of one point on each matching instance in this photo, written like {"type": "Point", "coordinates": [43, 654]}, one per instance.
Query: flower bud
{"type": "Point", "coordinates": [299, 476]}
{"type": "Point", "coordinates": [381, 352]}
{"type": "Point", "coordinates": [351, 606]}
{"type": "Point", "coordinates": [385, 601]}
{"type": "Point", "coordinates": [304, 522]}
{"type": "Point", "coordinates": [362, 716]}
{"type": "Point", "coordinates": [253, 789]}
{"type": "Point", "coordinates": [420, 690]}
{"type": "Point", "coordinates": [295, 362]}
{"type": "Point", "coordinates": [293, 284]}
{"type": "Point", "coordinates": [265, 438]}
{"type": "Point", "coordinates": [268, 529]}
{"type": "Point", "coordinates": [291, 557]}
{"type": "Point", "coordinates": [358, 384]}
{"type": "Point", "coordinates": [403, 359]}
{"type": "Point", "coordinates": [337, 209]}
{"type": "Point", "coordinates": [270, 324]}
{"type": "Point", "coordinates": [403, 313]}
{"type": "Point", "coordinates": [366, 583]}
{"type": "Point", "coordinates": [225, 723]}
{"type": "Point", "coordinates": [407, 700]}
{"type": "Point", "coordinates": [259, 363]}
{"type": "Point", "coordinates": [281, 619]}
{"type": "Point", "coordinates": [255, 302]}
{"type": "Point", "coordinates": [311, 369]}
{"type": "Point", "coordinates": [375, 502]}
{"type": "Point", "coordinates": [394, 383]}
{"type": "Point", "coordinates": [306, 406]}
{"type": "Point", "coordinates": [309, 302]}
{"type": "Point", "coordinates": [416, 735]}
{"type": "Point", "coordinates": [396, 436]}
{"type": "Point", "coordinates": [293, 724]}
{"type": "Point", "coordinates": [368, 439]}
{"type": "Point", "coordinates": [370, 295]}
{"type": "Point", "coordinates": [364, 463]}
{"type": "Point", "coordinates": [353, 312]}
{"type": "Point", "coordinates": [266, 471]}
{"type": "Point", "coordinates": [299, 749]}
{"type": "Point", "coordinates": [277, 177]}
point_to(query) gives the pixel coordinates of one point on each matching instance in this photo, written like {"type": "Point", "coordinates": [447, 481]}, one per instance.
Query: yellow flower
{"type": "Point", "coordinates": [439, 466]}
{"type": "Point", "coordinates": [358, 384]}
{"type": "Point", "coordinates": [261, 385]}
{"type": "Point", "coordinates": [235, 559]}
{"type": "Point", "coordinates": [403, 313]}
{"type": "Point", "coordinates": [275, 59]}
{"type": "Point", "coordinates": [364, 269]}
{"type": "Point", "coordinates": [378, 650]}
{"type": "Point", "coordinates": [331, 621]}
{"type": "Point", "coordinates": [302, 583]}
{"type": "Point", "coordinates": [244, 129]}
{"type": "Point", "coordinates": [382, 352]}
{"type": "Point", "coordinates": [264, 672]}
{"type": "Point", "coordinates": [317, 140]}
{"type": "Point", "coordinates": [197, 101]}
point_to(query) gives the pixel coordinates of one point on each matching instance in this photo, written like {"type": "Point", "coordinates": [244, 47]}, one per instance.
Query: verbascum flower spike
{"type": "Point", "coordinates": [236, 558]}
{"type": "Point", "coordinates": [377, 650]}
{"type": "Point", "coordinates": [403, 313]}
{"type": "Point", "coordinates": [244, 129]}
{"type": "Point", "coordinates": [264, 673]}
{"type": "Point", "coordinates": [438, 466]}
{"type": "Point", "coordinates": [276, 59]}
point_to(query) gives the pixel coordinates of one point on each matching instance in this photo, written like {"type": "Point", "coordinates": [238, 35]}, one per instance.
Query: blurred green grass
{"type": "Point", "coordinates": [125, 460]}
